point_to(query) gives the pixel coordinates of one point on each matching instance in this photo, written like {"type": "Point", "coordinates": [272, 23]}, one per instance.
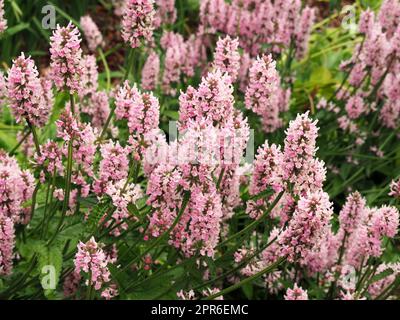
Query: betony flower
{"type": "Point", "coordinates": [138, 22]}
{"type": "Point", "coordinates": [91, 32]}
{"type": "Point", "coordinates": [66, 54]}
{"type": "Point", "coordinates": [140, 109]}
{"type": "Point", "coordinates": [89, 77]}
{"type": "Point", "coordinates": [297, 293]}
{"type": "Point", "coordinates": [262, 92]}
{"type": "Point", "coordinates": [300, 167]}
{"type": "Point", "coordinates": [151, 72]}
{"type": "Point", "coordinates": [227, 57]}
{"type": "Point", "coordinates": [91, 259]}
{"type": "Point", "coordinates": [308, 224]}
{"type": "Point", "coordinates": [25, 92]}
{"type": "Point", "coordinates": [16, 187]}
{"type": "Point", "coordinates": [395, 189]}
{"type": "Point", "coordinates": [355, 107]}
{"type": "Point", "coordinates": [166, 12]}
{"type": "Point", "coordinates": [213, 101]}
{"type": "Point", "coordinates": [6, 244]}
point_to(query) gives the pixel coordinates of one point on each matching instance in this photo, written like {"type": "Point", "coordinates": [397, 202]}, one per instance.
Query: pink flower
{"type": "Point", "coordinates": [165, 12]}
{"type": "Point", "coordinates": [66, 54]}
{"type": "Point", "coordinates": [3, 21]}
{"type": "Point", "coordinates": [119, 7]}
{"type": "Point", "coordinates": [389, 16]}
{"type": "Point", "coordinates": [367, 21]}
{"type": "Point", "coordinates": [16, 187]}
{"type": "Point", "coordinates": [91, 259]}
{"type": "Point", "coordinates": [6, 244]}
{"type": "Point", "coordinates": [243, 75]}
{"type": "Point", "coordinates": [114, 165]}
{"type": "Point", "coordinates": [198, 229]}
{"type": "Point", "coordinates": [3, 89]}
{"type": "Point", "coordinates": [174, 61]}
{"type": "Point", "coordinates": [352, 212]}
{"type": "Point", "coordinates": [98, 108]}
{"type": "Point", "coordinates": [227, 57]}
{"type": "Point", "coordinates": [25, 92]}
{"type": "Point", "coordinates": [297, 293]}
{"type": "Point", "coordinates": [266, 168]}
{"type": "Point", "coordinates": [377, 287]}
{"type": "Point", "coordinates": [151, 71]}
{"type": "Point", "coordinates": [300, 167]}
{"type": "Point", "coordinates": [308, 225]}
{"type": "Point", "coordinates": [395, 189]}
{"type": "Point", "coordinates": [110, 292]}
{"type": "Point", "coordinates": [213, 100]}
{"type": "Point", "coordinates": [303, 31]}
{"type": "Point", "coordinates": [262, 93]}
{"type": "Point", "coordinates": [49, 160]}
{"type": "Point", "coordinates": [140, 109]}
{"type": "Point", "coordinates": [122, 194]}
{"type": "Point", "coordinates": [366, 239]}
{"type": "Point", "coordinates": [92, 33]}
{"type": "Point", "coordinates": [83, 140]}
{"type": "Point", "coordinates": [385, 221]}
{"type": "Point", "coordinates": [71, 284]}
{"type": "Point", "coordinates": [138, 22]}
{"type": "Point", "coordinates": [89, 77]}
{"type": "Point", "coordinates": [355, 107]}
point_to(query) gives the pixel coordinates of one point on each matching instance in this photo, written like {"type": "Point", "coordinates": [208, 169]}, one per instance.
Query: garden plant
{"type": "Point", "coordinates": [199, 149]}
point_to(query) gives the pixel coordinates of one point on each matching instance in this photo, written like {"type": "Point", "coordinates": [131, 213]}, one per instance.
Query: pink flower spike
{"type": "Point", "coordinates": [138, 22]}
{"type": "Point", "coordinates": [66, 54]}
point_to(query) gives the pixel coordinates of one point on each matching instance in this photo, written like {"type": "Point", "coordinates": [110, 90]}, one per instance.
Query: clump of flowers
{"type": "Point", "coordinates": [89, 76]}
{"type": "Point", "coordinates": [151, 71]}
{"type": "Point", "coordinates": [297, 293]}
{"type": "Point", "coordinates": [300, 167]}
{"type": "Point", "coordinates": [140, 109]}
{"type": "Point", "coordinates": [310, 219]}
{"type": "Point", "coordinates": [66, 54]}
{"type": "Point", "coordinates": [395, 189]}
{"type": "Point", "coordinates": [165, 12]}
{"type": "Point", "coordinates": [262, 93]}
{"type": "Point", "coordinates": [213, 100]}
{"type": "Point", "coordinates": [113, 166]}
{"type": "Point", "coordinates": [16, 187]}
{"type": "Point", "coordinates": [6, 244]}
{"type": "Point", "coordinates": [93, 262]}
{"type": "Point", "coordinates": [138, 22]}
{"type": "Point", "coordinates": [25, 92]}
{"type": "Point", "coordinates": [92, 33]}
{"type": "Point", "coordinates": [227, 57]}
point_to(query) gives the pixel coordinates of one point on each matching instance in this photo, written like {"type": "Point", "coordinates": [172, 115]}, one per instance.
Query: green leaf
{"type": "Point", "coordinates": [49, 258]}
{"type": "Point", "coordinates": [382, 275]}
{"type": "Point", "coordinates": [14, 30]}
{"type": "Point", "coordinates": [248, 290]}
{"type": "Point", "coordinates": [174, 115]}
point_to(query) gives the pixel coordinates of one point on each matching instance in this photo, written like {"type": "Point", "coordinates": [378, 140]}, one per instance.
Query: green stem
{"type": "Point", "coordinates": [34, 196]}
{"type": "Point", "coordinates": [35, 137]}
{"type": "Point", "coordinates": [221, 175]}
{"type": "Point", "coordinates": [106, 68]}
{"type": "Point", "coordinates": [130, 61]}
{"type": "Point", "coordinates": [67, 189]}
{"type": "Point", "coordinates": [13, 150]}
